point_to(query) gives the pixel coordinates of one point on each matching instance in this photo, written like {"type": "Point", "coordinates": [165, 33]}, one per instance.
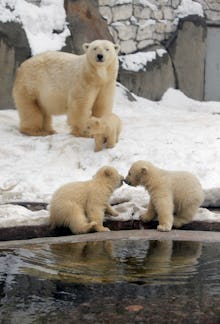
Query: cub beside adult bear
{"type": "Point", "coordinates": [175, 196]}
{"type": "Point", "coordinates": [105, 129]}
{"type": "Point", "coordinates": [81, 205]}
{"type": "Point", "coordinates": [55, 83]}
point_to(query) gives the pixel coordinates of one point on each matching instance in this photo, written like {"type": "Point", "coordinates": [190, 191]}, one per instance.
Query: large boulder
{"type": "Point", "coordinates": [85, 24]}
{"type": "Point", "coordinates": [187, 50]}
{"type": "Point", "coordinates": [14, 49]}
{"type": "Point", "coordinates": [153, 80]}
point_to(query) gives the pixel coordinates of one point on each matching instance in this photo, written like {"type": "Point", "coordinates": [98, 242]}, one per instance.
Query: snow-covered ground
{"type": "Point", "coordinates": [176, 133]}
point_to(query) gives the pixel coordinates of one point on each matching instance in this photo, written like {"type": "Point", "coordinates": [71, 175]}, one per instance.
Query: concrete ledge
{"type": "Point", "coordinates": [174, 235]}
{"type": "Point", "coordinates": [37, 231]}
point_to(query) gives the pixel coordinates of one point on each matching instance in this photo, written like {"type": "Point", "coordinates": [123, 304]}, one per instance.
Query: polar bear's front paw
{"type": "Point", "coordinates": [93, 224]}
{"type": "Point", "coordinates": [105, 229]}
{"type": "Point", "coordinates": [98, 148]}
{"type": "Point", "coordinates": [102, 228]}
{"type": "Point", "coordinates": [114, 213]}
{"type": "Point", "coordinates": [164, 228]}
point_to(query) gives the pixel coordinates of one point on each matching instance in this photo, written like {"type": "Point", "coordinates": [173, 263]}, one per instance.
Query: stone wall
{"type": "Point", "coordinates": [211, 9]}
{"type": "Point", "coordinates": [137, 24]}
{"type": "Point", "coordinates": [177, 27]}
{"type": "Point", "coordinates": [180, 65]}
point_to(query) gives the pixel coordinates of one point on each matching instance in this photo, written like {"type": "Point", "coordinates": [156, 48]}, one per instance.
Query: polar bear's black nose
{"type": "Point", "coordinates": [125, 180]}
{"type": "Point", "coordinates": [99, 57]}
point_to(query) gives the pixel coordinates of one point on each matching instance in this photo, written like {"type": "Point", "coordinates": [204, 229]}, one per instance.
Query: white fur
{"type": "Point", "coordinates": [175, 196]}
{"type": "Point", "coordinates": [54, 83]}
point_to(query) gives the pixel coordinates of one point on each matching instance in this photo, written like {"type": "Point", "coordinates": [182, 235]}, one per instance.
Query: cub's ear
{"type": "Point", "coordinates": [117, 48]}
{"type": "Point", "coordinates": [85, 47]}
{"type": "Point", "coordinates": [143, 171]}
{"type": "Point", "coordinates": [108, 172]}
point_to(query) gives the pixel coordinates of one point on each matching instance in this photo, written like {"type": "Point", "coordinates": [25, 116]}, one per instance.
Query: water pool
{"type": "Point", "coordinates": [118, 281]}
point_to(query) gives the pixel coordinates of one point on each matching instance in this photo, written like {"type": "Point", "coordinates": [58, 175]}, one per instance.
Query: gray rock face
{"type": "Point", "coordinates": [85, 24]}
{"type": "Point", "coordinates": [183, 67]}
{"type": "Point", "coordinates": [14, 49]}
{"type": "Point", "coordinates": [153, 82]}
{"type": "Point", "coordinates": [188, 54]}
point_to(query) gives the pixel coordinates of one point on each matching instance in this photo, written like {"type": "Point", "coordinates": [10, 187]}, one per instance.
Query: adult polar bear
{"type": "Point", "coordinates": [55, 83]}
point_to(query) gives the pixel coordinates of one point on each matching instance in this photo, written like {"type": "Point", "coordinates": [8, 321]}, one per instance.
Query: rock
{"type": "Point", "coordinates": [142, 12]}
{"type": "Point", "coordinates": [188, 53]}
{"type": "Point", "coordinates": [128, 46]}
{"type": "Point", "coordinates": [122, 12]}
{"type": "Point", "coordinates": [146, 30]}
{"type": "Point", "coordinates": [85, 24]}
{"type": "Point", "coordinates": [154, 81]}
{"type": "Point", "coordinates": [125, 31]}
{"type": "Point", "coordinates": [106, 13]}
{"type": "Point", "coordinates": [14, 49]}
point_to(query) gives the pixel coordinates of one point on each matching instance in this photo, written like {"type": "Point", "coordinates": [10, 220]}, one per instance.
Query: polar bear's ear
{"type": "Point", "coordinates": [117, 48]}
{"type": "Point", "coordinates": [144, 171]}
{"type": "Point", "coordinates": [85, 47]}
{"type": "Point", "coordinates": [108, 172]}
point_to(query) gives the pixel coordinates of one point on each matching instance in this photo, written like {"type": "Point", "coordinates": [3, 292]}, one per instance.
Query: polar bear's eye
{"type": "Point", "coordinates": [94, 48]}
{"type": "Point", "coordinates": [107, 49]}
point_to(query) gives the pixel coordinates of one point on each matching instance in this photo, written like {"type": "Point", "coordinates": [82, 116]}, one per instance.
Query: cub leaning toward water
{"type": "Point", "coordinates": [81, 205]}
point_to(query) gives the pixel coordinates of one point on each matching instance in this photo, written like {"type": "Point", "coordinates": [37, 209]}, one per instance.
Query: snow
{"type": "Point", "coordinates": [45, 26]}
{"type": "Point", "coordinates": [146, 3]}
{"type": "Point", "coordinates": [176, 133]}
{"type": "Point", "coordinates": [138, 61]}
{"type": "Point", "coordinates": [189, 7]}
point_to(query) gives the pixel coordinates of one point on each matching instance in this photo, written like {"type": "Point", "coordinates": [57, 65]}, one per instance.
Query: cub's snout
{"type": "Point", "coordinates": [127, 181]}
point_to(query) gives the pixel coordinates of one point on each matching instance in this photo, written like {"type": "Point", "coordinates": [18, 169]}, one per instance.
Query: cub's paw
{"type": "Point", "coordinates": [104, 229]}
{"type": "Point", "coordinates": [93, 224]}
{"type": "Point", "coordinates": [145, 218]}
{"type": "Point", "coordinates": [98, 149]}
{"type": "Point", "coordinates": [114, 213]}
{"type": "Point", "coordinates": [179, 223]}
{"type": "Point", "coordinates": [164, 228]}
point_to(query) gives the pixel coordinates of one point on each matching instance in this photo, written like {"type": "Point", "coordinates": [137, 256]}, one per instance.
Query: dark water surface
{"type": "Point", "coordinates": [124, 281]}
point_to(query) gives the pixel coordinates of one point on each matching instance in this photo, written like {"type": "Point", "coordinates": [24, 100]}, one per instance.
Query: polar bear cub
{"type": "Point", "coordinates": [81, 205]}
{"type": "Point", "coordinates": [56, 83]}
{"type": "Point", "coordinates": [105, 129]}
{"type": "Point", "coordinates": [175, 196]}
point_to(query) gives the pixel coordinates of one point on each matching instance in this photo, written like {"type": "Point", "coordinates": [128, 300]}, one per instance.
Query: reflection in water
{"type": "Point", "coordinates": [112, 261]}
{"type": "Point", "coordinates": [58, 279]}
